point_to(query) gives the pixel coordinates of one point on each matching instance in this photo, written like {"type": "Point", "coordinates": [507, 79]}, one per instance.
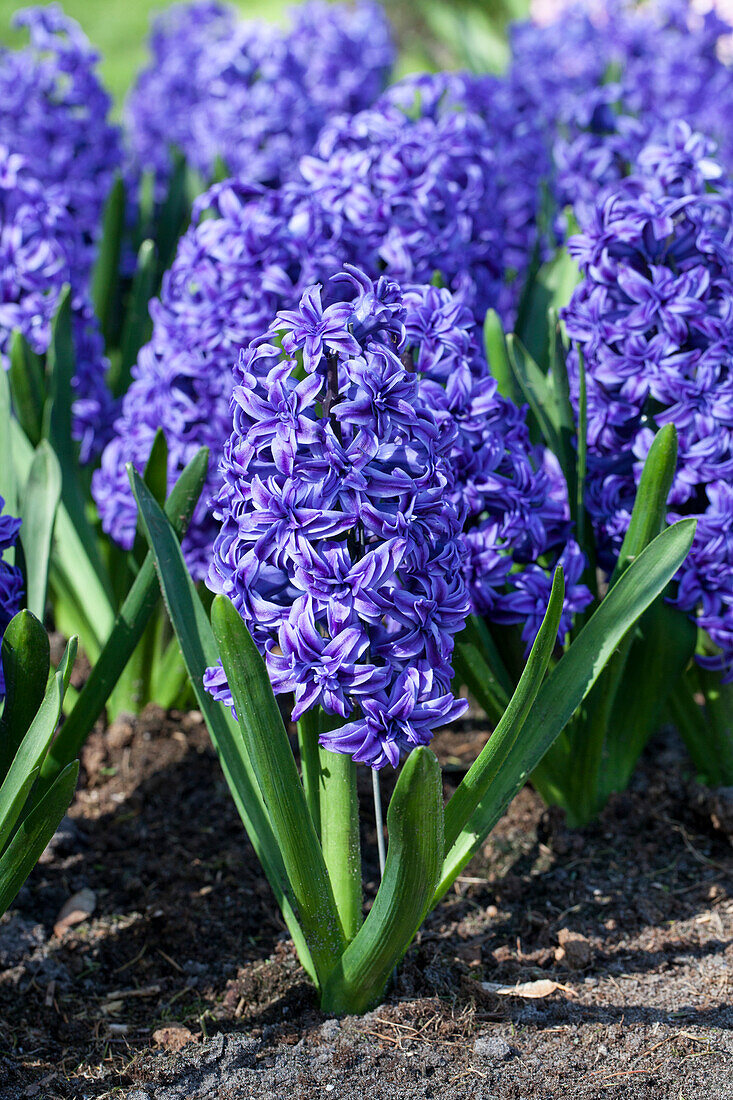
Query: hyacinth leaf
{"type": "Point", "coordinates": [199, 649]}
{"type": "Point", "coordinates": [707, 732]}
{"type": "Point", "coordinates": [33, 835]}
{"type": "Point", "coordinates": [498, 359]}
{"type": "Point", "coordinates": [40, 502]}
{"type": "Point", "coordinates": [550, 289]}
{"type": "Point", "coordinates": [34, 745]}
{"type": "Point", "coordinates": [662, 647]}
{"type": "Point", "coordinates": [536, 390]}
{"type": "Point", "coordinates": [414, 857]}
{"type": "Point", "coordinates": [58, 419]}
{"type": "Point", "coordinates": [483, 771]}
{"type": "Point", "coordinates": [565, 424]}
{"type": "Point", "coordinates": [719, 711]}
{"type": "Point", "coordinates": [155, 477]}
{"type": "Point", "coordinates": [571, 774]}
{"type": "Point", "coordinates": [472, 670]}
{"type": "Point", "coordinates": [128, 628]}
{"type": "Point", "coordinates": [173, 214]}
{"type": "Point", "coordinates": [570, 681]}
{"type": "Point", "coordinates": [137, 326]}
{"type": "Point", "coordinates": [26, 657]}
{"type": "Point", "coordinates": [27, 385]}
{"type": "Point", "coordinates": [82, 601]}
{"type": "Point", "coordinates": [8, 481]}
{"type": "Point", "coordinates": [691, 721]}
{"type": "Point", "coordinates": [650, 507]}
{"type": "Point", "coordinates": [274, 766]}
{"type": "Point", "coordinates": [106, 268]}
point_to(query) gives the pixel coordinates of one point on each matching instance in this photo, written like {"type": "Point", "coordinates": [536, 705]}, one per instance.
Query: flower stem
{"type": "Point", "coordinates": [340, 836]}
{"type": "Point", "coordinates": [310, 764]}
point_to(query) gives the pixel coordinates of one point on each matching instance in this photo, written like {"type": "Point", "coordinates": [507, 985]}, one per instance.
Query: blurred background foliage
{"type": "Point", "coordinates": [432, 33]}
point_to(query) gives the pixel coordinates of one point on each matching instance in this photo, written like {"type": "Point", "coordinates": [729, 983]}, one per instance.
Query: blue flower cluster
{"type": "Point", "coordinates": [11, 580]}
{"type": "Point", "coordinates": [54, 112]}
{"type": "Point", "coordinates": [368, 437]}
{"type": "Point", "coordinates": [249, 93]}
{"type": "Point", "coordinates": [608, 78]}
{"type": "Point", "coordinates": [514, 507]}
{"type": "Point", "coordinates": [249, 252]}
{"type": "Point", "coordinates": [653, 316]}
{"type": "Point", "coordinates": [442, 175]}
{"type": "Point", "coordinates": [40, 251]}
{"type": "Point", "coordinates": [340, 544]}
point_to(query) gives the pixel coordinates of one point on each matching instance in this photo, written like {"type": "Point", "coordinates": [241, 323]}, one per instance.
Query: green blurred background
{"type": "Point", "coordinates": [431, 33]}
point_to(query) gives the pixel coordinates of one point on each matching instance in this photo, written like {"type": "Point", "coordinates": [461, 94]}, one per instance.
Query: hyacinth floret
{"type": "Point", "coordinates": [55, 113]}
{"type": "Point", "coordinates": [340, 541]}
{"type": "Point", "coordinates": [11, 578]}
{"type": "Point", "coordinates": [249, 252]}
{"type": "Point", "coordinates": [39, 253]}
{"type": "Point", "coordinates": [653, 316]}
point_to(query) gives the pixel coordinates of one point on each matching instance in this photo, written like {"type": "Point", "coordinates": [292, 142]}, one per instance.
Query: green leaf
{"type": "Point", "coordinates": [107, 265]}
{"type": "Point", "coordinates": [535, 390]}
{"type": "Point", "coordinates": [273, 762]}
{"type": "Point", "coordinates": [74, 577]}
{"type": "Point", "coordinates": [414, 857]}
{"type": "Point", "coordinates": [8, 482]}
{"type": "Point", "coordinates": [27, 385]}
{"type": "Point", "coordinates": [173, 214]}
{"type": "Point", "coordinates": [650, 506]}
{"type": "Point", "coordinates": [59, 431]}
{"type": "Point", "coordinates": [40, 501]}
{"type": "Point", "coordinates": [498, 359]}
{"type": "Point", "coordinates": [137, 326]}
{"type": "Point", "coordinates": [483, 771]}
{"type": "Point", "coordinates": [707, 732]}
{"type": "Point", "coordinates": [156, 479]}
{"type": "Point", "coordinates": [33, 835]}
{"type": "Point", "coordinates": [662, 647]}
{"type": "Point", "coordinates": [26, 657]}
{"type": "Point", "coordinates": [550, 289]}
{"type": "Point", "coordinates": [572, 678]}
{"type": "Point", "coordinates": [200, 652]}
{"type": "Point", "coordinates": [33, 747]}
{"type": "Point", "coordinates": [128, 628]}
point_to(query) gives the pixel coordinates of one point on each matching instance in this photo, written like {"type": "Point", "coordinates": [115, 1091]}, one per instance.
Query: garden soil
{"type": "Point", "coordinates": [145, 959]}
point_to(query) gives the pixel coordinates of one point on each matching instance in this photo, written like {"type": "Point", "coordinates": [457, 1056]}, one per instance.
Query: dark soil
{"type": "Point", "coordinates": [632, 919]}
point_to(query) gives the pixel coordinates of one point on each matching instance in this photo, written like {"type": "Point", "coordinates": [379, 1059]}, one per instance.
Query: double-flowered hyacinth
{"type": "Point", "coordinates": [340, 543]}
{"type": "Point", "coordinates": [653, 316]}
{"type": "Point", "coordinates": [375, 488]}
{"type": "Point", "coordinates": [248, 93]}
{"type": "Point", "coordinates": [11, 580]}
{"type": "Point", "coordinates": [248, 253]}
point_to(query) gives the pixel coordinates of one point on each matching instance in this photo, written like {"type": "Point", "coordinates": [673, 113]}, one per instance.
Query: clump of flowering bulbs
{"type": "Point", "coordinates": [248, 253]}
{"type": "Point", "coordinates": [11, 579]}
{"type": "Point", "coordinates": [251, 94]}
{"type": "Point", "coordinates": [40, 251]}
{"type": "Point", "coordinates": [653, 317]}
{"type": "Point", "coordinates": [55, 113]}
{"type": "Point", "coordinates": [341, 544]}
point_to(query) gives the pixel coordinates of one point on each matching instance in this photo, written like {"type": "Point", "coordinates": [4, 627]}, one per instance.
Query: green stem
{"type": "Point", "coordinates": [339, 811]}
{"type": "Point", "coordinates": [310, 764]}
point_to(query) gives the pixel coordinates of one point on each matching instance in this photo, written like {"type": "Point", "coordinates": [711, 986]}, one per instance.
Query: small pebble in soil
{"type": "Point", "coordinates": [492, 1048]}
